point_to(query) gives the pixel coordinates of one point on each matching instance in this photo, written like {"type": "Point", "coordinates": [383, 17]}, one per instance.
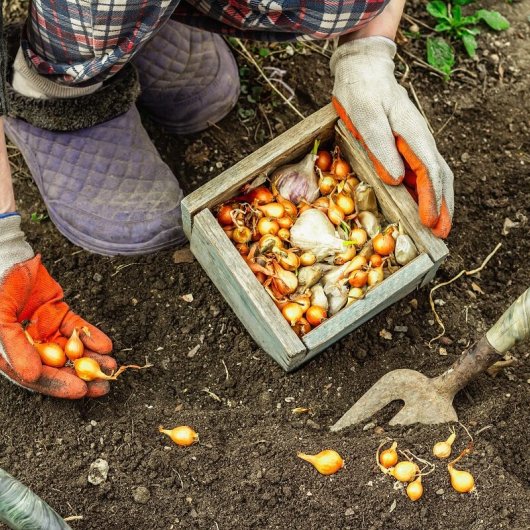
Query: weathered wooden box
{"type": "Point", "coordinates": [237, 283]}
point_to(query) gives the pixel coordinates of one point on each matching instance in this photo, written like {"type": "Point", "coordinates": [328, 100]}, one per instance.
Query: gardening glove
{"type": "Point", "coordinates": [30, 297]}
{"type": "Point", "coordinates": [380, 115]}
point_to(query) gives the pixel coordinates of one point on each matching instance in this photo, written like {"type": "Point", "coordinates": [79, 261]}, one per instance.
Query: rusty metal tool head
{"type": "Point", "coordinates": [430, 400]}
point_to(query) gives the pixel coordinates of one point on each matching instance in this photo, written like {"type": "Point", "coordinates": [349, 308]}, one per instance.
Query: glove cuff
{"type": "Point", "coordinates": [366, 50]}
{"type": "Point", "coordinates": [14, 248]}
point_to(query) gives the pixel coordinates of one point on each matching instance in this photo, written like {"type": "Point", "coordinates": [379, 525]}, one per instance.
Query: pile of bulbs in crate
{"type": "Point", "coordinates": [314, 238]}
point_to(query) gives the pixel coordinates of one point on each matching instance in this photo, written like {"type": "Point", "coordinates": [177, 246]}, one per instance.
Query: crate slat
{"type": "Point", "coordinates": [245, 295]}
{"type": "Point", "coordinates": [288, 146]}
{"type": "Point", "coordinates": [395, 287]}
{"type": "Point", "coordinates": [395, 201]}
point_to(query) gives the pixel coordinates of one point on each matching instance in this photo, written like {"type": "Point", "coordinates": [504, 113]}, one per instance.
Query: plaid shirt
{"type": "Point", "coordinates": [279, 20]}
{"type": "Point", "coordinates": [82, 42]}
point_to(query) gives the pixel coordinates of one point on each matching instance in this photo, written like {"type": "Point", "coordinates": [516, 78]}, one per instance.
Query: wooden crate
{"type": "Point", "coordinates": [237, 283]}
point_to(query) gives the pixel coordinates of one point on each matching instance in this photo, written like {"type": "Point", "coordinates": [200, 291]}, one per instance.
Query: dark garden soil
{"type": "Point", "coordinates": [245, 473]}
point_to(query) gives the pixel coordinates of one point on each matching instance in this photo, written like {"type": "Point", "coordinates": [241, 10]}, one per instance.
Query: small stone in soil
{"type": "Point", "coordinates": [443, 351]}
{"type": "Point", "coordinates": [99, 470]}
{"type": "Point", "coordinates": [414, 303]}
{"type": "Point", "coordinates": [313, 425]}
{"type": "Point", "coordinates": [385, 334]}
{"type": "Point", "coordinates": [369, 426]}
{"type": "Point", "coordinates": [440, 492]}
{"type": "Point", "coordinates": [349, 511]}
{"type": "Point", "coordinates": [97, 277]}
{"type": "Point", "coordinates": [141, 495]}
{"type": "Point", "coordinates": [401, 329]}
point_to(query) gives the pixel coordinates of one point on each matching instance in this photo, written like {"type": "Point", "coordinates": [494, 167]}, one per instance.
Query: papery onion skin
{"type": "Point", "coordinates": [405, 250]}
{"type": "Point", "coordinates": [318, 297]}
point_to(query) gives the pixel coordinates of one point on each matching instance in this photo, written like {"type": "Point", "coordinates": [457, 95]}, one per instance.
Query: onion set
{"type": "Point", "coordinates": [326, 462]}
{"type": "Point", "coordinates": [314, 238]}
{"type": "Point", "coordinates": [181, 435]}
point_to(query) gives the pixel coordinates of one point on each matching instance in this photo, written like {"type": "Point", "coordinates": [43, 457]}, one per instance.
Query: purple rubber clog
{"type": "Point", "coordinates": [189, 78]}
{"type": "Point", "coordinates": [105, 187]}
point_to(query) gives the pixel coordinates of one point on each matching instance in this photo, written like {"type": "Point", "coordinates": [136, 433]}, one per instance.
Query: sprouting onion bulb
{"type": "Point", "coordinates": [181, 435]}
{"type": "Point", "coordinates": [389, 457]}
{"type": "Point", "coordinates": [326, 462]}
{"type": "Point", "coordinates": [415, 489]}
{"type": "Point", "coordinates": [462, 481]}
{"type": "Point", "coordinates": [88, 369]}
{"type": "Point", "coordinates": [443, 449]}
{"type": "Point", "coordinates": [404, 471]}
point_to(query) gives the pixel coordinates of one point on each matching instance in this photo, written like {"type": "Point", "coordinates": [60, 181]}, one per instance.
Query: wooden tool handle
{"type": "Point", "coordinates": [513, 326]}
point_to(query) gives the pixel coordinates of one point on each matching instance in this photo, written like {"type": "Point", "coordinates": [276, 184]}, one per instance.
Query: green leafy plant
{"type": "Point", "coordinates": [38, 217]}
{"type": "Point", "coordinates": [452, 23]}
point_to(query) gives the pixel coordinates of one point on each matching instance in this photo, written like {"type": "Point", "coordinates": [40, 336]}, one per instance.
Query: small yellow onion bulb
{"type": "Point", "coordinates": [326, 462]}
{"type": "Point", "coordinates": [307, 259]}
{"type": "Point", "coordinates": [182, 435]}
{"type": "Point", "coordinates": [415, 489]}
{"type": "Point", "coordinates": [443, 449]}
{"type": "Point", "coordinates": [404, 471]}
{"type": "Point", "coordinates": [74, 347]}
{"type": "Point", "coordinates": [389, 457]}
{"type": "Point", "coordinates": [462, 481]}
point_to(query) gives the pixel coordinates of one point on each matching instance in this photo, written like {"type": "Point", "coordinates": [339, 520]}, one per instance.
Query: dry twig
{"type": "Point", "coordinates": [414, 20]}
{"type": "Point", "coordinates": [415, 96]}
{"type": "Point", "coordinates": [250, 58]}
{"type": "Point", "coordinates": [461, 273]}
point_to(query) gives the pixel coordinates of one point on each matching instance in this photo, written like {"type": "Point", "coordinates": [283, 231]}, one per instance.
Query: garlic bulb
{"type": "Point", "coordinates": [365, 198]}
{"type": "Point", "coordinates": [337, 297]}
{"type": "Point", "coordinates": [318, 297]}
{"type": "Point", "coordinates": [314, 232]}
{"type": "Point", "coordinates": [405, 250]}
{"type": "Point", "coordinates": [297, 182]}
{"type": "Point", "coordinates": [370, 223]}
{"type": "Point", "coordinates": [308, 276]}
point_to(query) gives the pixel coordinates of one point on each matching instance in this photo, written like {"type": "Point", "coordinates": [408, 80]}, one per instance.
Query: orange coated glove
{"type": "Point", "coordinates": [30, 297]}
{"type": "Point", "coordinates": [378, 112]}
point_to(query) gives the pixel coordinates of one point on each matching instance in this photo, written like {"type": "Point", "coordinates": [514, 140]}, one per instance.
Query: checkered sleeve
{"type": "Point", "coordinates": [83, 42]}
{"type": "Point", "coordinates": [279, 20]}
